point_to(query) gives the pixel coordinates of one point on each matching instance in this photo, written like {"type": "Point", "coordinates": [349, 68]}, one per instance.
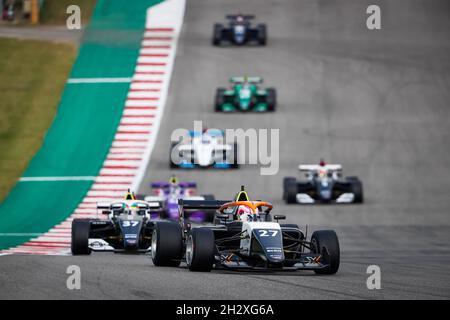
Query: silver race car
{"type": "Point", "coordinates": [323, 183]}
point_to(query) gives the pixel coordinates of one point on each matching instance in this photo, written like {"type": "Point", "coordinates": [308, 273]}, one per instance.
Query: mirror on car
{"type": "Point", "coordinates": [222, 216]}
{"type": "Point", "coordinates": [279, 217]}
{"type": "Point", "coordinates": [106, 212]}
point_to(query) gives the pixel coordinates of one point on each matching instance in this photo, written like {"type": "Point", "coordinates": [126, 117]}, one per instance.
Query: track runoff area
{"type": "Point", "coordinates": [134, 139]}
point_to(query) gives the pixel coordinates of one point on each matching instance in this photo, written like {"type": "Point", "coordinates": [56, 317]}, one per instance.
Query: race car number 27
{"type": "Point", "coordinates": [268, 233]}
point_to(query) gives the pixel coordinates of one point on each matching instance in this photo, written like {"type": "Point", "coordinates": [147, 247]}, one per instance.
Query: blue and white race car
{"type": "Point", "coordinates": [204, 150]}
{"type": "Point", "coordinates": [239, 31]}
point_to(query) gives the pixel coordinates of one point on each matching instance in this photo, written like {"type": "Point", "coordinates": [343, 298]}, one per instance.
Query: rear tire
{"type": "Point", "coordinates": [235, 164]}
{"type": "Point", "coordinates": [172, 165]}
{"type": "Point", "coordinates": [200, 250]}
{"type": "Point", "coordinates": [290, 190]}
{"type": "Point", "coordinates": [326, 243]}
{"type": "Point", "coordinates": [167, 244]}
{"type": "Point", "coordinates": [271, 99]}
{"type": "Point", "coordinates": [80, 237]}
{"type": "Point", "coordinates": [262, 34]}
{"type": "Point", "coordinates": [217, 34]}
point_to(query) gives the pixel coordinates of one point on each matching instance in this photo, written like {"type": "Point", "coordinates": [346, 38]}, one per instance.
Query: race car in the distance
{"type": "Point", "coordinates": [204, 149]}
{"type": "Point", "coordinates": [167, 195]}
{"type": "Point", "coordinates": [244, 237]}
{"type": "Point", "coordinates": [239, 31]}
{"type": "Point", "coordinates": [128, 228]}
{"type": "Point", "coordinates": [323, 184]}
{"type": "Point", "coordinates": [245, 95]}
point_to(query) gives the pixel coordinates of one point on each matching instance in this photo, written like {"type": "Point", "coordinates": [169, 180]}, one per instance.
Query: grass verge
{"type": "Point", "coordinates": [32, 77]}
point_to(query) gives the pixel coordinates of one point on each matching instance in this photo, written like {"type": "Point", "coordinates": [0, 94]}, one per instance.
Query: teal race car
{"type": "Point", "coordinates": [245, 95]}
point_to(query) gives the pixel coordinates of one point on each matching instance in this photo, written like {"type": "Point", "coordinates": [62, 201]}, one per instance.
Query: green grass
{"type": "Point", "coordinates": [54, 11]}
{"type": "Point", "coordinates": [32, 77]}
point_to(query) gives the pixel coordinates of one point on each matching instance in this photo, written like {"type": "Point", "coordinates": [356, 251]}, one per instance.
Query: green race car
{"type": "Point", "coordinates": [245, 95]}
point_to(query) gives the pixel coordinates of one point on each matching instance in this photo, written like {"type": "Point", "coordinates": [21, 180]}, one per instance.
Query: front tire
{"type": "Point", "coordinates": [200, 250]}
{"type": "Point", "coordinates": [172, 165]}
{"type": "Point", "coordinates": [326, 243]}
{"type": "Point", "coordinates": [167, 244]}
{"type": "Point", "coordinates": [80, 237]}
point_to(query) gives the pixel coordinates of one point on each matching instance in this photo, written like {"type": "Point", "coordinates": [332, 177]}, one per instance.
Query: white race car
{"type": "Point", "coordinates": [323, 184]}
{"type": "Point", "coordinates": [204, 149]}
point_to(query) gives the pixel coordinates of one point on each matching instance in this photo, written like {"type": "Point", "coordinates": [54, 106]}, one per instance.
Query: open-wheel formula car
{"type": "Point", "coordinates": [245, 95]}
{"type": "Point", "coordinates": [239, 31]}
{"type": "Point", "coordinates": [323, 184]}
{"type": "Point", "coordinates": [244, 237]}
{"type": "Point", "coordinates": [167, 195]}
{"type": "Point", "coordinates": [128, 228]}
{"type": "Point", "coordinates": [205, 149]}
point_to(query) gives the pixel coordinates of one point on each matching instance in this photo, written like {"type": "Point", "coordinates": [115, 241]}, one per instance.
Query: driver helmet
{"type": "Point", "coordinates": [245, 213]}
{"type": "Point", "coordinates": [323, 173]}
{"type": "Point", "coordinates": [134, 209]}
{"type": "Point", "coordinates": [173, 180]}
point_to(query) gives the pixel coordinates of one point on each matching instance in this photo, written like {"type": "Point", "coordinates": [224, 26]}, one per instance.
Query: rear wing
{"type": "Point", "coordinates": [244, 16]}
{"type": "Point", "coordinates": [202, 204]}
{"type": "Point", "coordinates": [254, 80]}
{"type": "Point", "coordinates": [315, 167]}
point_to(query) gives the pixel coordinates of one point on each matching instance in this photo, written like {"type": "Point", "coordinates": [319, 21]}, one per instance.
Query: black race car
{"type": "Point", "coordinates": [242, 241]}
{"type": "Point", "coordinates": [323, 184]}
{"type": "Point", "coordinates": [239, 31]}
{"type": "Point", "coordinates": [128, 228]}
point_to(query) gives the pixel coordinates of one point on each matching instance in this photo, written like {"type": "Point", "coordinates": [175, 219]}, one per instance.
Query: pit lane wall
{"type": "Point", "coordinates": [103, 133]}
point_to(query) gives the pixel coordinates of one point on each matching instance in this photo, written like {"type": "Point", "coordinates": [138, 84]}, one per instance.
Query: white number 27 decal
{"type": "Point", "coordinates": [268, 233]}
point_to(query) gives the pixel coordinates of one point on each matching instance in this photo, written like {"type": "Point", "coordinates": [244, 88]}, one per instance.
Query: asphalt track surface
{"type": "Point", "coordinates": [374, 101]}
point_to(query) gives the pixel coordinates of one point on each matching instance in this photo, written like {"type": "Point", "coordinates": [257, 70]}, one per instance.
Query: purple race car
{"type": "Point", "coordinates": [167, 195]}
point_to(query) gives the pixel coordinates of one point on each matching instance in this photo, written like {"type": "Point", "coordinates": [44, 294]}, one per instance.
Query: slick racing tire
{"type": "Point", "coordinates": [167, 244]}
{"type": "Point", "coordinates": [200, 249]}
{"type": "Point", "coordinates": [325, 242]}
{"type": "Point", "coordinates": [235, 164]}
{"type": "Point", "coordinates": [271, 99]}
{"type": "Point", "coordinates": [262, 34]}
{"type": "Point", "coordinates": [356, 189]}
{"type": "Point", "coordinates": [217, 34]}
{"type": "Point", "coordinates": [80, 237]}
{"type": "Point", "coordinates": [220, 99]}
{"type": "Point", "coordinates": [172, 165]}
{"type": "Point", "coordinates": [290, 190]}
